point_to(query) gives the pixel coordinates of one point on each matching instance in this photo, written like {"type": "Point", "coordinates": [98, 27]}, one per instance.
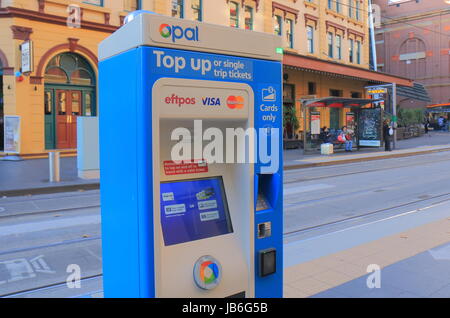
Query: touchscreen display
{"type": "Point", "coordinates": [193, 210]}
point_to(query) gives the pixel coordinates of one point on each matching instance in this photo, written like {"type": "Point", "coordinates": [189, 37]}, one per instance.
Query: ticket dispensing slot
{"type": "Point", "coordinates": [267, 196]}
{"type": "Point", "coordinates": [267, 191]}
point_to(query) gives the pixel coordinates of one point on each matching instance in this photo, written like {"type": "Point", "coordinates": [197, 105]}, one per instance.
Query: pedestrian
{"type": "Point", "coordinates": [427, 126]}
{"type": "Point", "coordinates": [441, 123]}
{"type": "Point", "coordinates": [325, 135]}
{"type": "Point", "coordinates": [445, 124]}
{"type": "Point", "coordinates": [347, 137]}
{"type": "Point", "coordinates": [387, 133]}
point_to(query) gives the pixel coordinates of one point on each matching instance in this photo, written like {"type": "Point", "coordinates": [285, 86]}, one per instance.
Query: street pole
{"type": "Point", "coordinates": [372, 38]}
{"type": "Point", "coordinates": [394, 113]}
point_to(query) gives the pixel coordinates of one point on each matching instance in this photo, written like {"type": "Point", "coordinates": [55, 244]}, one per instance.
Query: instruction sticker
{"type": "Point", "coordinates": [207, 205]}
{"type": "Point", "coordinates": [175, 209]}
{"type": "Point", "coordinates": [172, 168]}
{"type": "Point", "coordinates": [209, 216]}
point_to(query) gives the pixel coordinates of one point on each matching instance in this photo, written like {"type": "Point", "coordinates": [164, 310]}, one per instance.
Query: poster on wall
{"type": "Point", "coordinates": [315, 123]}
{"type": "Point", "coordinates": [369, 123]}
{"type": "Point", "coordinates": [12, 134]}
{"type": "Point", "coordinates": [350, 122]}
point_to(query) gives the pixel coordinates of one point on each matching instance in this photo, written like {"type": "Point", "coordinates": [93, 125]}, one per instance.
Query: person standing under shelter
{"type": "Point", "coordinates": [441, 123]}
{"type": "Point", "coordinates": [387, 133]}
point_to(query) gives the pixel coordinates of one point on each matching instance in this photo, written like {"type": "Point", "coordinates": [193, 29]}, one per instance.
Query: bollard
{"type": "Point", "coordinates": [53, 159]}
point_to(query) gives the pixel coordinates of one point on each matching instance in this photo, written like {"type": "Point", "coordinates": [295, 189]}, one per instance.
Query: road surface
{"type": "Point", "coordinates": [42, 236]}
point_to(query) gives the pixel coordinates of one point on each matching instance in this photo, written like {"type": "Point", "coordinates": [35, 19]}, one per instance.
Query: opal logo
{"type": "Point", "coordinates": [176, 32]}
{"type": "Point", "coordinates": [207, 273]}
{"type": "Point", "coordinates": [165, 30]}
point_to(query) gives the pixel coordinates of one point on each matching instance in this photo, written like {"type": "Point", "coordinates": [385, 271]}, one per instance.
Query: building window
{"type": "Point", "coordinates": [290, 33]}
{"type": "Point", "coordinates": [196, 6]}
{"type": "Point", "coordinates": [350, 8]}
{"type": "Point", "coordinates": [330, 4]}
{"type": "Point", "coordinates": [357, 10]}
{"type": "Point", "coordinates": [358, 52]}
{"type": "Point", "coordinates": [132, 5]}
{"type": "Point", "coordinates": [413, 62]}
{"type": "Point", "coordinates": [338, 6]}
{"type": "Point", "coordinates": [95, 2]}
{"type": "Point", "coordinates": [234, 14]}
{"type": "Point", "coordinates": [339, 47]}
{"type": "Point", "coordinates": [330, 44]}
{"type": "Point", "coordinates": [248, 18]}
{"type": "Point", "coordinates": [178, 9]}
{"type": "Point", "coordinates": [356, 95]}
{"type": "Point", "coordinates": [336, 93]}
{"type": "Point", "coordinates": [351, 50]}
{"type": "Point", "coordinates": [312, 88]}
{"type": "Point", "coordinates": [277, 20]}
{"type": "Point", "coordinates": [310, 38]}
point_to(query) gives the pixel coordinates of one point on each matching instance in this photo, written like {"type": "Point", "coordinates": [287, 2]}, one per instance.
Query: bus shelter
{"type": "Point", "coordinates": [364, 121]}
{"type": "Point", "coordinates": [435, 112]}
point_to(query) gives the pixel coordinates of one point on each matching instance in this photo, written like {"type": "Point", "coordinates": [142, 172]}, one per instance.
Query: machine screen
{"type": "Point", "coordinates": [193, 210]}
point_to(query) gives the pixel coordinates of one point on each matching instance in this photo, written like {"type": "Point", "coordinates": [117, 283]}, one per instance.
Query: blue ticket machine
{"type": "Point", "coordinates": [191, 160]}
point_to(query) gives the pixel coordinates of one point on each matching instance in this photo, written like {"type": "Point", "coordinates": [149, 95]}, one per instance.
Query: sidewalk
{"type": "Point", "coordinates": [433, 142]}
{"type": "Point", "coordinates": [32, 177]}
{"type": "Point", "coordinates": [411, 252]}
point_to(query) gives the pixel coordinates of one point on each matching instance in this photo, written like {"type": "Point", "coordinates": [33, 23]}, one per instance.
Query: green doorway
{"type": "Point", "coordinates": [334, 118]}
{"type": "Point", "coordinates": [69, 93]}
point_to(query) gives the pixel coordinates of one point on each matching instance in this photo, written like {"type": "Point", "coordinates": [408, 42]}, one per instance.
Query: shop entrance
{"type": "Point", "coordinates": [69, 93]}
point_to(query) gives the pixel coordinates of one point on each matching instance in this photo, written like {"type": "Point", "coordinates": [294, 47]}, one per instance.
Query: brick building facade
{"type": "Point", "coordinates": [414, 41]}
{"type": "Point", "coordinates": [326, 47]}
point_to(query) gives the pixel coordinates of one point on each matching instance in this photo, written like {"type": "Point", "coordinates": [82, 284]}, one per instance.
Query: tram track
{"type": "Point", "coordinates": [442, 199]}
{"type": "Point", "coordinates": [361, 172]}
{"type": "Point", "coordinates": [415, 204]}
{"type": "Point", "coordinates": [371, 213]}
{"type": "Point", "coordinates": [44, 212]}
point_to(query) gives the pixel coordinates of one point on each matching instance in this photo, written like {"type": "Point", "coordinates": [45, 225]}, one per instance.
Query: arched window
{"type": "Point", "coordinates": [413, 58]}
{"type": "Point", "coordinates": [69, 68]}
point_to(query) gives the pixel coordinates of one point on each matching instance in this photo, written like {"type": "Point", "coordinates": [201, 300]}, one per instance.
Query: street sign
{"type": "Point", "coordinates": [27, 57]}
{"type": "Point", "coordinates": [376, 90]}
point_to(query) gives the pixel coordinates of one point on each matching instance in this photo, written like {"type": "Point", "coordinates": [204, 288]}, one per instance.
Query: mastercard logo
{"type": "Point", "coordinates": [207, 273]}
{"type": "Point", "coordinates": [235, 102]}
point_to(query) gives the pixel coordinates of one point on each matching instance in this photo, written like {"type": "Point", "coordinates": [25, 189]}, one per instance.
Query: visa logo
{"type": "Point", "coordinates": [211, 101]}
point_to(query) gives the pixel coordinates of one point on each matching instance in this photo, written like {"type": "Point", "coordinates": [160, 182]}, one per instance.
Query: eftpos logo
{"type": "Point", "coordinates": [176, 32]}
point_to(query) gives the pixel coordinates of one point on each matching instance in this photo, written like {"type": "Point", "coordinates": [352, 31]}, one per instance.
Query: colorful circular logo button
{"type": "Point", "coordinates": [165, 30]}
{"type": "Point", "coordinates": [207, 273]}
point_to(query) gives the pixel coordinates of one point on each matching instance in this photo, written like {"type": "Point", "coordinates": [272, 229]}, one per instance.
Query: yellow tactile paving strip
{"type": "Point", "coordinates": [321, 274]}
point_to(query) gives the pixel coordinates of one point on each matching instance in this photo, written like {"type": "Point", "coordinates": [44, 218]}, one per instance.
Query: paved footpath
{"type": "Point", "coordinates": [32, 177]}
{"type": "Point", "coordinates": [433, 142]}
{"type": "Point", "coordinates": [412, 251]}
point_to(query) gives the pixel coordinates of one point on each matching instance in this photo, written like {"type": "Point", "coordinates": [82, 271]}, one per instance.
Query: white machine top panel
{"type": "Point", "coordinates": [162, 31]}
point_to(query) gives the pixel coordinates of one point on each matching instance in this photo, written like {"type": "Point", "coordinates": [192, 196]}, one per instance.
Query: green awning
{"type": "Point", "coordinates": [417, 92]}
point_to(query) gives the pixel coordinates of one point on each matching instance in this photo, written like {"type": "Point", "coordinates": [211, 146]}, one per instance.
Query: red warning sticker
{"type": "Point", "coordinates": [172, 168]}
